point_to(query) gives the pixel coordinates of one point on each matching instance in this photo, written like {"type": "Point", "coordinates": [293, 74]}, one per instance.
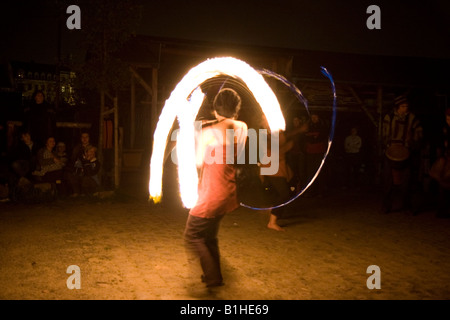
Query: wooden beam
{"type": "Point", "coordinates": [107, 112]}
{"type": "Point", "coordinates": [141, 81]}
{"type": "Point", "coordinates": [380, 118]}
{"type": "Point", "coordinates": [77, 125]}
{"type": "Point", "coordinates": [116, 144]}
{"type": "Point", "coordinates": [100, 134]}
{"type": "Point", "coordinates": [132, 112]}
{"type": "Point", "coordinates": [363, 106]}
{"type": "Point", "coordinates": [59, 124]}
{"type": "Point", "coordinates": [154, 99]}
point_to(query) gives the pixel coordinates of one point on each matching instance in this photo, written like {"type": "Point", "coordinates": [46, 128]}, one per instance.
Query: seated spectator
{"type": "Point", "coordinates": [49, 166]}
{"type": "Point", "coordinates": [24, 157]}
{"type": "Point", "coordinates": [85, 178]}
{"type": "Point", "coordinates": [61, 153]}
{"type": "Point", "coordinates": [352, 147]}
{"type": "Point", "coordinates": [75, 160]}
{"type": "Point", "coordinates": [79, 150]}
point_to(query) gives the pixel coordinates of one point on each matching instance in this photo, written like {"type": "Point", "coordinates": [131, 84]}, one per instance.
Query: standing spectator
{"type": "Point", "coordinates": [402, 135]}
{"type": "Point", "coordinates": [316, 146]}
{"type": "Point", "coordinates": [352, 147]}
{"type": "Point", "coordinates": [40, 119]}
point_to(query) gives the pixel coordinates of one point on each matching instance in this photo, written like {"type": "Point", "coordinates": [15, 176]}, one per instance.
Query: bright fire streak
{"type": "Point", "coordinates": [187, 172]}
{"type": "Point", "coordinates": [179, 105]}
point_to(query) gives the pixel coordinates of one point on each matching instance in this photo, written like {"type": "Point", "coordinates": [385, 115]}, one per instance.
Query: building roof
{"type": "Point", "coordinates": [345, 67]}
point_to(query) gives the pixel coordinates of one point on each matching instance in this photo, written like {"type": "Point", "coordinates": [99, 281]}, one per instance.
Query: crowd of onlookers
{"type": "Point", "coordinates": [51, 168]}
{"type": "Point", "coordinates": [38, 163]}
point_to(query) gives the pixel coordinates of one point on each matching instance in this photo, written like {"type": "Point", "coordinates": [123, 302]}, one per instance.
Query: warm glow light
{"type": "Point", "coordinates": [187, 171]}
{"type": "Point", "coordinates": [184, 103]}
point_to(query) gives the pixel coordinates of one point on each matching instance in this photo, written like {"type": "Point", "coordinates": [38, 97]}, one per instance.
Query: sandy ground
{"type": "Point", "coordinates": [127, 248]}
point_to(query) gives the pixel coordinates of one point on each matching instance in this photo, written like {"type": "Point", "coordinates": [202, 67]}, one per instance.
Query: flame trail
{"type": "Point", "coordinates": [184, 106]}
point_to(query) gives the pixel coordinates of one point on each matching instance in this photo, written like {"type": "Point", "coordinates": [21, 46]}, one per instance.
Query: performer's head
{"type": "Point", "coordinates": [227, 103]}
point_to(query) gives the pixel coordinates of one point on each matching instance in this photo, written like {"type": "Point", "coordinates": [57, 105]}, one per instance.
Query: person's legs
{"type": "Point", "coordinates": [388, 187]}
{"type": "Point", "coordinates": [21, 167]}
{"type": "Point", "coordinates": [52, 176]}
{"type": "Point", "coordinates": [273, 223]}
{"type": "Point", "coordinates": [280, 186]}
{"type": "Point", "coordinates": [75, 183]}
{"type": "Point", "coordinates": [202, 244]}
{"type": "Point", "coordinates": [89, 186]}
{"type": "Point", "coordinates": [405, 189]}
{"type": "Point", "coordinates": [212, 261]}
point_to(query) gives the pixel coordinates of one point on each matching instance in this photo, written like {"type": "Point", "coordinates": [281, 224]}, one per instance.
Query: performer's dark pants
{"type": "Point", "coordinates": [201, 243]}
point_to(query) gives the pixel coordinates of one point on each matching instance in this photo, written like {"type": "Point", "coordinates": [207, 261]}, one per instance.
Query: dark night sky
{"type": "Point", "coordinates": [408, 28]}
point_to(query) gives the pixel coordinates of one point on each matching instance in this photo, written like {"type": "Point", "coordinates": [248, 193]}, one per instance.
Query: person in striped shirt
{"type": "Point", "coordinates": [402, 138]}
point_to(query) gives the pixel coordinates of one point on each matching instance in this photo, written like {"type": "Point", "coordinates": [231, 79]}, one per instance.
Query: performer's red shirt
{"type": "Point", "coordinates": [216, 191]}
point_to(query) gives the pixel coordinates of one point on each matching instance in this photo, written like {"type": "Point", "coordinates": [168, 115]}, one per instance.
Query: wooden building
{"type": "Point", "coordinates": [366, 86]}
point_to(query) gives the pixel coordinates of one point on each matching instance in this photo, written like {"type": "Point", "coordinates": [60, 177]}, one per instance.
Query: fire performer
{"type": "Point", "coordinates": [217, 193]}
